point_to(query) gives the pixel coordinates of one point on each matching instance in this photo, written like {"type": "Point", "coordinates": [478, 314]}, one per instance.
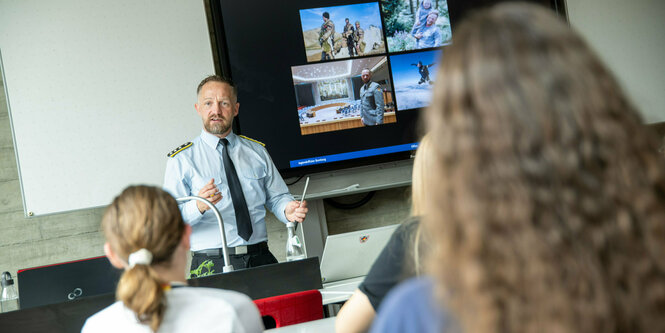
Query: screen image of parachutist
{"type": "Point", "coordinates": [413, 75]}
{"type": "Point", "coordinates": [423, 70]}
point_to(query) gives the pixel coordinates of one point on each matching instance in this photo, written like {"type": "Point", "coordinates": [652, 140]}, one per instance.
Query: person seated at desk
{"type": "Point", "coordinates": [547, 196]}
{"type": "Point", "coordinates": [147, 237]}
{"type": "Point", "coordinates": [398, 260]}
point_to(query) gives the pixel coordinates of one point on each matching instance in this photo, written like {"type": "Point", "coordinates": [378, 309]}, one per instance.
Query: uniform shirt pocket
{"type": "Point", "coordinates": [253, 173]}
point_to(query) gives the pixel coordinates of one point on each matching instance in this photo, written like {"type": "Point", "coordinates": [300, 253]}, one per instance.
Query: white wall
{"type": "Point", "coordinates": [99, 92]}
{"type": "Point", "coordinates": [629, 35]}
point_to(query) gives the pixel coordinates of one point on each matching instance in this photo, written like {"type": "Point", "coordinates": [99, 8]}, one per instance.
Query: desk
{"type": "Point", "coordinates": [267, 280]}
{"type": "Point", "coordinates": [316, 326]}
{"type": "Point", "coordinates": [339, 291]}
{"type": "Point", "coordinates": [340, 124]}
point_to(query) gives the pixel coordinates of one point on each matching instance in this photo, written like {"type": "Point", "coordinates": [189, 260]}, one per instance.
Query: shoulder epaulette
{"type": "Point", "coordinates": [250, 139]}
{"type": "Point", "coordinates": [175, 152]}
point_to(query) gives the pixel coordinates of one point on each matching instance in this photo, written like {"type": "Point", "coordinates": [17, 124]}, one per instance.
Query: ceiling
{"type": "Point", "coordinates": [335, 70]}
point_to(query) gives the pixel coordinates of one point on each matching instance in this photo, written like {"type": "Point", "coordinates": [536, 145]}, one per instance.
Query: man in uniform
{"type": "Point", "coordinates": [326, 37]}
{"type": "Point", "coordinates": [349, 35]}
{"type": "Point", "coordinates": [371, 100]}
{"type": "Point", "coordinates": [359, 39]}
{"type": "Point", "coordinates": [236, 174]}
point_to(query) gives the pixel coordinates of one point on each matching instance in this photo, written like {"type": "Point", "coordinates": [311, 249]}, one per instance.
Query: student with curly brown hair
{"type": "Point", "coordinates": [147, 237]}
{"type": "Point", "coordinates": [547, 202]}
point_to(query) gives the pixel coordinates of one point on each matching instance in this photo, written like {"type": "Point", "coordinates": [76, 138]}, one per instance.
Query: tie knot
{"type": "Point", "coordinates": [224, 142]}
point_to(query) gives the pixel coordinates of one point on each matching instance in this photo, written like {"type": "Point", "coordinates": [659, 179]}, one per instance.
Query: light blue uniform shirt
{"type": "Point", "coordinates": [189, 170]}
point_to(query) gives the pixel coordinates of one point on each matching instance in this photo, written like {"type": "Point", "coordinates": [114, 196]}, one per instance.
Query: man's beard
{"type": "Point", "coordinates": [219, 128]}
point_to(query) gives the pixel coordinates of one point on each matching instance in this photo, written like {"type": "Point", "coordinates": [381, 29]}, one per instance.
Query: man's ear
{"type": "Point", "coordinates": [237, 108]}
{"type": "Point", "coordinates": [115, 261]}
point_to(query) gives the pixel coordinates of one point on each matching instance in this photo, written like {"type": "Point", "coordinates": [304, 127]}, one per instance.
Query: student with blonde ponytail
{"type": "Point", "coordinates": [146, 236]}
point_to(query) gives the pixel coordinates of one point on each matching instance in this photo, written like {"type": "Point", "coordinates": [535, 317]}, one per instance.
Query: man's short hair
{"type": "Point", "coordinates": [326, 15]}
{"type": "Point", "coordinates": [366, 69]}
{"type": "Point", "coordinates": [346, 19]}
{"type": "Point", "coordinates": [221, 79]}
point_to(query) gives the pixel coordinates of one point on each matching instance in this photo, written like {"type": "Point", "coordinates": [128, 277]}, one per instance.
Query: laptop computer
{"type": "Point", "coordinates": [352, 254]}
{"type": "Point", "coordinates": [66, 281]}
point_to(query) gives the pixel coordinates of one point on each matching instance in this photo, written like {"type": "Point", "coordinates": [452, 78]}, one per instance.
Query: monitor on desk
{"type": "Point", "coordinates": [66, 281]}
{"type": "Point", "coordinates": [351, 254]}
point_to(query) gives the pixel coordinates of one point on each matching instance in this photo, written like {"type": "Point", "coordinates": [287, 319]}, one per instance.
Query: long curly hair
{"type": "Point", "coordinates": [548, 195]}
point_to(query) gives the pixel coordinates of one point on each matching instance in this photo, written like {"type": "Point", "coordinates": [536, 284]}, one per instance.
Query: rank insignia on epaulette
{"type": "Point", "coordinates": [250, 139]}
{"type": "Point", "coordinates": [182, 147]}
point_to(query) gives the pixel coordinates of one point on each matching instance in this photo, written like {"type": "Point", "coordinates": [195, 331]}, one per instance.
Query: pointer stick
{"type": "Point", "coordinates": [302, 198]}
{"type": "Point", "coordinates": [303, 192]}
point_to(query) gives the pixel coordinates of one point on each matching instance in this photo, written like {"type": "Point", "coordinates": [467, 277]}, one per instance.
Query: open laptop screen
{"type": "Point", "coordinates": [352, 254]}
{"type": "Point", "coordinates": [66, 281]}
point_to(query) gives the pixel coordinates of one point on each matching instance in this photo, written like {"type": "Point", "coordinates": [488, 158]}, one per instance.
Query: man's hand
{"type": "Point", "coordinates": [294, 212]}
{"type": "Point", "coordinates": [210, 193]}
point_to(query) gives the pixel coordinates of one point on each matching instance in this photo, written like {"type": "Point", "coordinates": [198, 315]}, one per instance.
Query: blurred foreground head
{"type": "Point", "coordinates": [548, 194]}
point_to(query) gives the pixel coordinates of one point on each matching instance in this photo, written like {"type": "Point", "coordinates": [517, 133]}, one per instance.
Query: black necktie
{"type": "Point", "coordinates": [243, 221]}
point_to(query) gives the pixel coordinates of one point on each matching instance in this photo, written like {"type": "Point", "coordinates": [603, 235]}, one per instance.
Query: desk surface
{"type": "Point", "coordinates": [316, 326]}
{"type": "Point", "coordinates": [339, 291]}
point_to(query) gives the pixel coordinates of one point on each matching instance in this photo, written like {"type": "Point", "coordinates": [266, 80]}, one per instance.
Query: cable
{"type": "Point", "coordinates": [295, 181]}
{"type": "Point", "coordinates": [352, 205]}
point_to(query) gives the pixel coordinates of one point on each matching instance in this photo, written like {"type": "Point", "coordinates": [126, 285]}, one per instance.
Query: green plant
{"type": "Point", "coordinates": [198, 272]}
{"type": "Point", "coordinates": [401, 41]}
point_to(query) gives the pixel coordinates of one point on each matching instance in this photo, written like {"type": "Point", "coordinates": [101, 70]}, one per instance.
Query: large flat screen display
{"type": "Point", "coordinates": [333, 84]}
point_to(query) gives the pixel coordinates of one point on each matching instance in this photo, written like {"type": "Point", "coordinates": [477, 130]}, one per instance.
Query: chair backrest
{"type": "Point", "coordinates": [289, 309]}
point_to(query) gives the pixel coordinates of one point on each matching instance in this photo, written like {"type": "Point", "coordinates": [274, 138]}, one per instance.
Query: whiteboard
{"type": "Point", "coordinates": [98, 93]}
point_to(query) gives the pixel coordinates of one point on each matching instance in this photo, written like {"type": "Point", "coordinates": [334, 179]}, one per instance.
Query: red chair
{"type": "Point", "coordinates": [291, 309]}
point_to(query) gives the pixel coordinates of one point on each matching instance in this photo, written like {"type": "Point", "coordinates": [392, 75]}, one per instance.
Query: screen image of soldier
{"type": "Point", "coordinates": [359, 39]}
{"type": "Point", "coordinates": [326, 37]}
{"type": "Point", "coordinates": [371, 100]}
{"type": "Point", "coordinates": [349, 35]}
{"type": "Point", "coordinates": [236, 174]}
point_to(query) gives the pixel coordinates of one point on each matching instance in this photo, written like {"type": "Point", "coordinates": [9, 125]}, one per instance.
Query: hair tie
{"type": "Point", "coordinates": [140, 257]}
